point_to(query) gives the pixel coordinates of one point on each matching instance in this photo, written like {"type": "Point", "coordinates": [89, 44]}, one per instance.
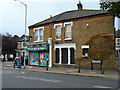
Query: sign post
{"type": "Point", "coordinates": [97, 62]}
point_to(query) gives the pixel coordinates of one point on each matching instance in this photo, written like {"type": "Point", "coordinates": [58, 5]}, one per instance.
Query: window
{"type": "Point", "coordinates": [117, 41]}
{"type": "Point", "coordinates": [68, 31]}
{"type": "Point", "coordinates": [18, 45]}
{"type": "Point", "coordinates": [41, 34]}
{"type": "Point", "coordinates": [85, 50]}
{"type": "Point", "coordinates": [36, 35]}
{"type": "Point", "coordinates": [58, 32]}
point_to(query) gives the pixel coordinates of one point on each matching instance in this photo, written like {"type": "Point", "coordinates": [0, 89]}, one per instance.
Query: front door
{"type": "Point", "coordinates": [64, 55]}
{"type": "Point", "coordinates": [57, 55]}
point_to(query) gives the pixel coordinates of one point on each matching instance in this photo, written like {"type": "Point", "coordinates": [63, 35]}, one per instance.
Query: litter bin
{"type": "Point", "coordinates": [18, 64]}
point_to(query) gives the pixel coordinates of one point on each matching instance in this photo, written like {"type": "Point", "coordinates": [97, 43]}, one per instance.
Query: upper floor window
{"type": "Point", "coordinates": [117, 41]}
{"type": "Point", "coordinates": [68, 31]}
{"type": "Point", "coordinates": [18, 45]}
{"type": "Point", "coordinates": [39, 34]}
{"type": "Point", "coordinates": [36, 35]}
{"type": "Point", "coordinates": [58, 31]}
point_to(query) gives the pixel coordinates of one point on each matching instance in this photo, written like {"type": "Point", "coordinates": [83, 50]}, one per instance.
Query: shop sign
{"type": "Point", "coordinates": [38, 47]}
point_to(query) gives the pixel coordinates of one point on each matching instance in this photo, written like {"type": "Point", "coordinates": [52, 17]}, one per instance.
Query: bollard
{"type": "Point", "coordinates": [102, 69]}
{"type": "Point", "coordinates": [79, 66]}
{"type": "Point", "coordinates": [91, 65]}
{"type": "Point", "coordinates": [14, 64]}
{"type": "Point", "coordinates": [38, 63]}
{"type": "Point", "coordinates": [47, 65]}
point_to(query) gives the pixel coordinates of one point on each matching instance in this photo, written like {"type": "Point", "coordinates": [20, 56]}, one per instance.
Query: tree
{"type": "Point", "coordinates": [113, 8]}
{"type": "Point", "coordinates": [9, 44]}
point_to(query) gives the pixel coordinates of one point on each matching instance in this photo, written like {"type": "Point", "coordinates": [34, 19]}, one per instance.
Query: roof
{"type": "Point", "coordinates": [22, 38]}
{"type": "Point", "coordinates": [70, 15]}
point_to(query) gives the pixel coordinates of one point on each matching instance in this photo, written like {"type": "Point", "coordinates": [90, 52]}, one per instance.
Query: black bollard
{"type": "Point", "coordinates": [91, 65]}
{"type": "Point", "coordinates": [79, 66]}
{"type": "Point", "coordinates": [47, 65]}
{"type": "Point", "coordinates": [102, 69]}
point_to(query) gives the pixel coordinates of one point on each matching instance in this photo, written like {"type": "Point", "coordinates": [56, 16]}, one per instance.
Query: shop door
{"type": "Point", "coordinates": [64, 55]}
{"type": "Point", "coordinates": [72, 56]}
{"type": "Point", "coordinates": [57, 55]}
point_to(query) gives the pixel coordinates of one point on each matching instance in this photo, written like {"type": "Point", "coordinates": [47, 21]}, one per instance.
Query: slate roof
{"type": "Point", "coordinates": [22, 38]}
{"type": "Point", "coordinates": [70, 15]}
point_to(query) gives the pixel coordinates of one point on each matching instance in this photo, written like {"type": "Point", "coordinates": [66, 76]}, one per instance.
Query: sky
{"type": "Point", "coordinates": [12, 13]}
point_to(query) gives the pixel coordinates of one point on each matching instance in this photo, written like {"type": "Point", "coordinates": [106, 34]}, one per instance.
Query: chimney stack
{"type": "Point", "coordinates": [79, 5]}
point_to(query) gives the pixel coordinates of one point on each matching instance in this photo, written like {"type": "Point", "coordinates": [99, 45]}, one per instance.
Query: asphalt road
{"type": "Point", "coordinates": [14, 78]}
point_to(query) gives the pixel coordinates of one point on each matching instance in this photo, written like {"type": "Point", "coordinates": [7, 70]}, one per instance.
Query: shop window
{"type": "Point", "coordinates": [58, 32]}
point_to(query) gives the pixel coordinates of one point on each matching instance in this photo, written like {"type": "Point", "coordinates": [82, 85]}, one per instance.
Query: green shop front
{"type": "Point", "coordinates": [38, 54]}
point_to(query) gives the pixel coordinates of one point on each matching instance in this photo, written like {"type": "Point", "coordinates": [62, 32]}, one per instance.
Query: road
{"type": "Point", "coordinates": [15, 78]}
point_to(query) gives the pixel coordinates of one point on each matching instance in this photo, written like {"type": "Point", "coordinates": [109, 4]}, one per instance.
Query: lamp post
{"type": "Point", "coordinates": [25, 25]}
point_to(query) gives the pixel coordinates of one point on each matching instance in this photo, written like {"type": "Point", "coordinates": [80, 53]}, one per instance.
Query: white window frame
{"type": "Point", "coordinates": [68, 23]}
{"type": "Point", "coordinates": [60, 24]}
{"type": "Point", "coordinates": [38, 29]}
{"type": "Point", "coordinates": [85, 46]}
{"type": "Point", "coordinates": [117, 42]}
{"type": "Point", "coordinates": [41, 34]}
{"type": "Point", "coordinates": [68, 46]}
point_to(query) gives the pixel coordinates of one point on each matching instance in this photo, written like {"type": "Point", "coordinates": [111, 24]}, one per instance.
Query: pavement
{"type": "Point", "coordinates": [69, 71]}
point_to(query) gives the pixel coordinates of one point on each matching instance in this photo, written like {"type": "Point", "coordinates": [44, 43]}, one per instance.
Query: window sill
{"type": "Point", "coordinates": [58, 40]}
{"type": "Point", "coordinates": [85, 56]}
{"type": "Point", "coordinates": [117, 45]}
{"type": "Point", "coordinates": [68, 39]}
{"type": "Point", "coordinates": [39, 41]}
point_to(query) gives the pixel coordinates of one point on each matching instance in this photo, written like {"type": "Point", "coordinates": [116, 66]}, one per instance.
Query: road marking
{"type": "Point", "coordinates": [42, 79]}
{"type": "Point", "coordinates": [8, 62]}
{"type": "Point", "coordinates": [103, 87]}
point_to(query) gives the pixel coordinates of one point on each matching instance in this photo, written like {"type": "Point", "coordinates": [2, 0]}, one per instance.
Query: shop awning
{"type": "Point", "coordinates": [37, 47]}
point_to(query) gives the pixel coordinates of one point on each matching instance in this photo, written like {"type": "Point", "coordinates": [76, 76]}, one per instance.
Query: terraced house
{"type": "Point", "coordinates": [71, 36]}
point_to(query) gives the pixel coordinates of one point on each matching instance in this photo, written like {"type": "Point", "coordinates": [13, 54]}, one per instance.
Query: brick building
{"type": "Point", "coordinates": [72, 36]}
{"type": "Point", "coordinates": [20, 46]}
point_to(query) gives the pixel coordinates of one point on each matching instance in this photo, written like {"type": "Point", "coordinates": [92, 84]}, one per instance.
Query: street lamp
{"type": "Point", "coordinates": [25, 25]}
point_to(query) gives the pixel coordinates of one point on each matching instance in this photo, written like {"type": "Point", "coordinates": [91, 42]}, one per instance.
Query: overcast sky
{"type": "Point", "coordinates": [12, 12]}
